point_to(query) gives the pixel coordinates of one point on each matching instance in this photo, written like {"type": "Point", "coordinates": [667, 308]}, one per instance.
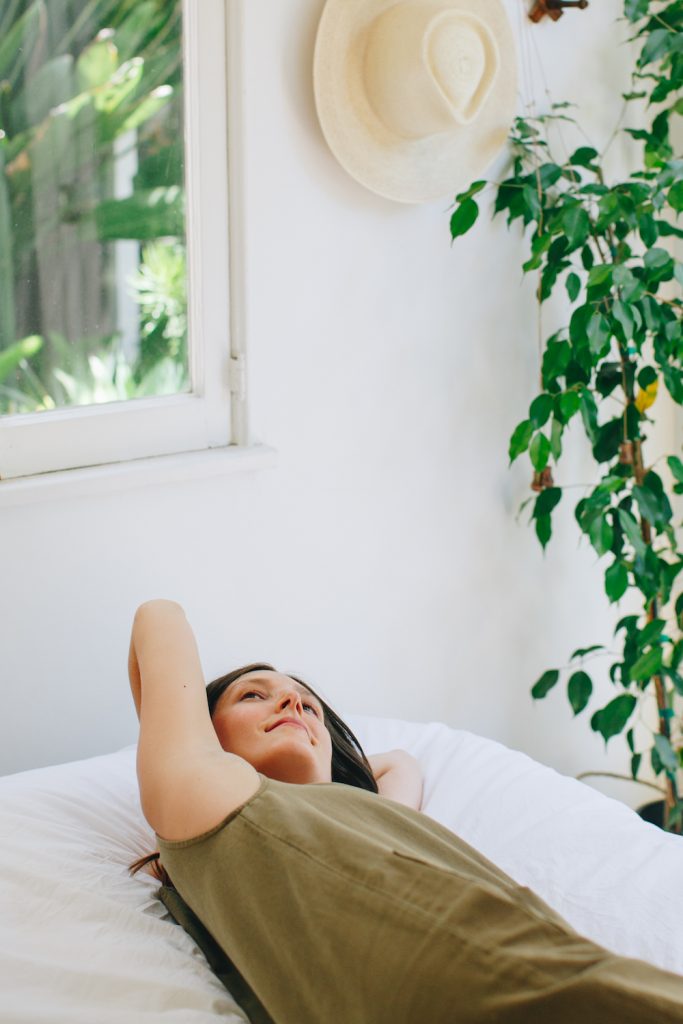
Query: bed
{"type": "Point", "coordinates": [82, 941]}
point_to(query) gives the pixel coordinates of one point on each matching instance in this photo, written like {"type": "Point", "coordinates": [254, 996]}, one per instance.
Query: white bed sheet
{"type": "Point", "coordinates": [81, 941]}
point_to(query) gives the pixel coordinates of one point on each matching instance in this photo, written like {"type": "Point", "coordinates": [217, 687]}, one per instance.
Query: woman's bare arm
{"type": "Point", "coordinates": [399, 777]}
{"type": "Point", "coordinates": [185, 777]}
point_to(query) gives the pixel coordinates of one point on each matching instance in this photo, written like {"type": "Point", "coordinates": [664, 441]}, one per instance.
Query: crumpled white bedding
{"type": "Point", "coordinates": [81, 941]}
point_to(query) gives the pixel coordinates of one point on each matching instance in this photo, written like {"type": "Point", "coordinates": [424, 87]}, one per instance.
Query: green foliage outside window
{"type": "Point", "coordinates": [608, 244]}
{"type": "Point", "coordinates": [85, 84]}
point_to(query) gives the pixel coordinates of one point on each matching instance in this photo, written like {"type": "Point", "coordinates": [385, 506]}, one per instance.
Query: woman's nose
{"type": "Point", "coordinates": [290, 699]}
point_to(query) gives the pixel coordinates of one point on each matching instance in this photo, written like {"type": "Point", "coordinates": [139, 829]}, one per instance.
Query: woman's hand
{"type": "Point", "coordinates": [399, 777]}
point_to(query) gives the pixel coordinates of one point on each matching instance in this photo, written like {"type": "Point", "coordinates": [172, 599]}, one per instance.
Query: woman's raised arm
{"type": "Point", "coordinates": [179, 754]}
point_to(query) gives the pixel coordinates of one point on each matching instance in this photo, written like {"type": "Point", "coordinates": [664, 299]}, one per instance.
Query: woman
{"type": "Point", "coordinates": [335, 903]}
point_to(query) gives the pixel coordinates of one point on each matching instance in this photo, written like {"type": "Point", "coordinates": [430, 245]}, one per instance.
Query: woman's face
{"type": "Point", "coordinates": [277, 725]}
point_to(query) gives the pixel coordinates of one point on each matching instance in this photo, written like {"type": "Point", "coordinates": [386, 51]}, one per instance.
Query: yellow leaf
{"type": "Point", "coordinates": [646, 396]}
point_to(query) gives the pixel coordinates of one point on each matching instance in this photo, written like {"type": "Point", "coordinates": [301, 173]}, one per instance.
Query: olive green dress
{"type": "Point", "coordinates": [333, 905]}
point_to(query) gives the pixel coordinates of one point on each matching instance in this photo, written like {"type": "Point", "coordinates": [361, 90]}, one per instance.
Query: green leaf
{"type": "Point", "coordinates": [555, 360]}
{"type": "Point", "coordinates": [539, 452]}
{"type": "Point", "coordinates": [656, 46]}
{"type": "Point", "coordinates": [579, 690]}
{"type": "Point", "coordinates": [632, 531]}
{"type": "Point", "coordinates": [626, 280]}
{"type": "Point", "coordinates": [599, 275]}
{"type": "Point", "coordinates": [464, 217]}
{"type": "Point", "coordinates": [675, 196]}
{"type": "Point", "coordinates": [656, 258]}
{"type": "Point", "coordinates": [14, 354]}
{"type": "Point", "coordinates": [653, 506]}
{"type": "Point", "coordinates": [677, 656]}
{"type": "Point", "coordinates": [547, 500]}
{"type": "Point", "coordinates": [531, 206]}
{"type": "Point", "coordinates": [636, 9]}
{"type": "Point", "coordinates": [647, 376]}
{"type": "Point", "coordinates": [647, 226]}
{"type": "Point", "coordinates": [581, 652]}
{"type": "Point", "coordinates": [601, 535]}
{"type": "Point", "coordinates": [475, 187]}
{"type": "Point", "coordinates": [656, 761]}
{"type": "Point", "coordinates": [599, 333]}
{"type": "Point", "coordinates": [666, 753]}
{"type": "Point", "coordinates": [543, 526]}
{"type": "Point", "coordinates": [607, 440]}
{"type": "Point", "coordinates": [651, 632]}
{"type": "Point", "coordinates": [649, 573]}
{"type": "Point", "coordinates": [675, 678]}
{"type": "Point", "coordinates": [578, 324]}
{"type": "Point", "coordinates": [676, 467]}
{"type": "Point", "coordinates": [519, 442]}
{"type": "Point", "coordinates": [647, 665]}
{"type": "Point", "coordinates": [158, 213]}
{"type": "Point", "coordinates": [635, 764]}
{"type": "Point", "coordinates": [616, 581]}
{"type": "Point", "coordinates": [631, 741]}
{"type": "Point", "coordinates": [589, 415]}
{"type": "Point", "coordinates": [576, 225]}
{"type": "Point", "coordinates": [556, 440]}
{"type": "Point", "coordinates": [544, 684]}
{"type": "Point", "coordinates": [583, 156]}
{"type": "Point", "coordinates": [566, 406]}
{"type": "Point", "coordinates": [628, 623]}
{"type": "Point", "coordinates": [539, 245]}
{"type": "Point", "coordinates": [573, 286]}
{"type": "Point", "coordinates": [16, 45]}
{"type": "Point", "coordinates": [547, 175]}
{"type": "Point", "coordinates": [540, 410]}
{"type": "Point", "coordinates": [610, 720]}
{"type": "Point", "coordinates": [96, 64]}
{"type": "Point", "coordinates": [608, 377]}
{"type": "Point", "coordinates": [623, 314]}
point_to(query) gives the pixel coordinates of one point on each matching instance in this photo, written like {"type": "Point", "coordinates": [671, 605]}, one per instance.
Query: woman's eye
{"type": "Point", "coordinates": [311, 707]}
{"type": "Point", "coordinates": [250, 693]}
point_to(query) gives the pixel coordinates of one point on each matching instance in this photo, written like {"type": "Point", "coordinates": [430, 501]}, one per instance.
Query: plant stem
{"type": "Point", "coordinates": [652, 613]}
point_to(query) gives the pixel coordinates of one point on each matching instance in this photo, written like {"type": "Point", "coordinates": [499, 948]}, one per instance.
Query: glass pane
{"type": "Point", "coordinates": [93, 297]}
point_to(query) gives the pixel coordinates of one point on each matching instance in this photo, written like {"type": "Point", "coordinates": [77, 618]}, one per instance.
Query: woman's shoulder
{"type": "Point", "coordinates": [201, 792]}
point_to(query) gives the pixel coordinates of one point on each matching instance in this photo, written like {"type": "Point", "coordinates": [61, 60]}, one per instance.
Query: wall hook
{"type": "Point", "coordinates": [553, 8]}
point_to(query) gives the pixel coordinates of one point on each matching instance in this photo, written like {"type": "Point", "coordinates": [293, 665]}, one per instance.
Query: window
{"type": "Point", "coordinates": [114, 263]}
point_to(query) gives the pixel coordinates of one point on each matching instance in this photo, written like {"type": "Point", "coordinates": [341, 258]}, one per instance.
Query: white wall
{"type": "Point", "coordinates": [380, 558]}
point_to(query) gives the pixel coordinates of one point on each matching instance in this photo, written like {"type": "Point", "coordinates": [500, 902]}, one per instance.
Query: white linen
{"type": "Point", "coordinates": [82, 941]}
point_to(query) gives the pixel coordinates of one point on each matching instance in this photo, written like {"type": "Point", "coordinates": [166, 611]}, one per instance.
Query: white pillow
{"type": "Point", "coordinates": [82, 941]}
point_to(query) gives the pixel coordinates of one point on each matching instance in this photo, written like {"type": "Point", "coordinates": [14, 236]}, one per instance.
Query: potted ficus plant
{"type": "Point", "coordinates": [608, 245]}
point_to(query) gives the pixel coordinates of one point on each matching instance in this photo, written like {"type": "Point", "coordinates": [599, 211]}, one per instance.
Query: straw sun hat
{"type": "Point", "coordinates": [415, 97]}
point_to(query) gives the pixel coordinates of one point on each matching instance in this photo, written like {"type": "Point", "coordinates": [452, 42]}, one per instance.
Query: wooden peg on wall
{"type": "Point", "coordinates": [553, 8]}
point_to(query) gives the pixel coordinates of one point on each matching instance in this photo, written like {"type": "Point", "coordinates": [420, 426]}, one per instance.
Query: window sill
{"type": "Point", "coordinates": [94, 481]}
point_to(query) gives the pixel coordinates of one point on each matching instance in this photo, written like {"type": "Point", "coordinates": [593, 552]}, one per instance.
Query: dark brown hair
{"type": "Point", "coordinates": [349, 763]}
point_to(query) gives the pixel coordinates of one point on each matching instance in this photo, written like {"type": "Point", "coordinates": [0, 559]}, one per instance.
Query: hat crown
{"type": "Point", "coordinates": [428, 69]}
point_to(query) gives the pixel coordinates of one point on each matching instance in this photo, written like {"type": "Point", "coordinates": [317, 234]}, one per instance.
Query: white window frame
{"type": "Point", "coordinates": [214, 414]}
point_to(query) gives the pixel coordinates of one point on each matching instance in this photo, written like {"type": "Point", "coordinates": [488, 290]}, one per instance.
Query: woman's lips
{"type": "Point", "coordinates": [288, 721]}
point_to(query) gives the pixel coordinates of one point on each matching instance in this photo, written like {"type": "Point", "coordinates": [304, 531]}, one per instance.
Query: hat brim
{"type": "Point", "coordinates": [406, 170]}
